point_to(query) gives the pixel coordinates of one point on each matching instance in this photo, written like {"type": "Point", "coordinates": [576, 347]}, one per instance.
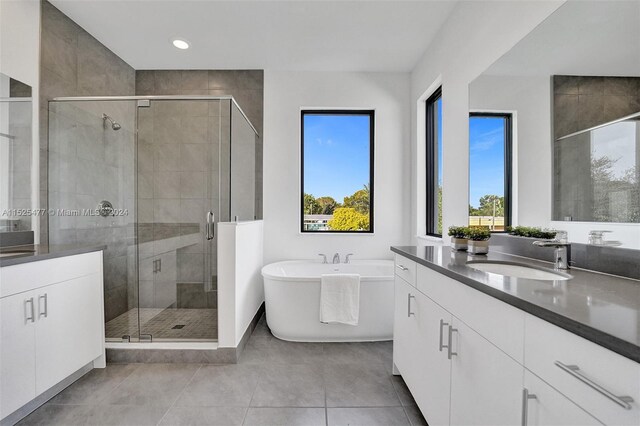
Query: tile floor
{"type": "Point", "coordinates": [199, 324]}
{"type": "Point", "coordinates": [275, 383]}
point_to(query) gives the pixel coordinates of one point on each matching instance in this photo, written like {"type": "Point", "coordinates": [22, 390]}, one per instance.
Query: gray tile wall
{"type": "Point", "coordinates": [581, 102]}
{"type": "Point", "coordinates": [246, 86]}
{"type": "Point", "coordinates": [74, 63]}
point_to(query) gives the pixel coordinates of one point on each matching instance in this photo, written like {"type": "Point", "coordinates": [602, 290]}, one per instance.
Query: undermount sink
{"type": "Point", "coordinates": [518, 270]}
{"type": "Point", "coordinates": [15, 252]}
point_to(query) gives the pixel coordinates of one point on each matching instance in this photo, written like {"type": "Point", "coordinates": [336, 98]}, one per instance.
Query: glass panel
{"type": "Point", "coordinates": [337, 171]}
{"type": "Point", "coordinates": [243, 167]}
{"type": "Point", "coordinates": [92, 159]}
{"type": "Point", "coordinates": [597, 174]}
{"type": "Point", "coordinates": [179, 147]}
{"type": "Point", "coordinates": [487, 171]}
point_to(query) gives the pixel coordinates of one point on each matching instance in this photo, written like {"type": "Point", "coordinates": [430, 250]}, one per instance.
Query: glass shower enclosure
{"type": "Point", "coordinates": [149, 177]}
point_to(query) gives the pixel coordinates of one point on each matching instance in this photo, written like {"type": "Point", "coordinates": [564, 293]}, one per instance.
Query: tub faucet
{"type": "Point", "coordinates": [324, 257]}
{"type": "Point", "coordinates": [336, 258]}
{"type": "Point", "coordinates": [561, 254]}
{"type": "Point", "coordinates": [346, 259]}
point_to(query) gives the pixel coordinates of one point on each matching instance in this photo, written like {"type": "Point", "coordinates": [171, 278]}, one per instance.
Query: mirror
{"type": "Point", "coordinates": [572, 88]}
{"type": "Point", "coordinates": [15, 154]}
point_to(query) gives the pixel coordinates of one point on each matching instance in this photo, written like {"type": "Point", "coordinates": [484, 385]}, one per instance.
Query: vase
{"type": "Point", "coordinates": [478, 247]}
{"type": "Point", "coordinates": [459, 244]}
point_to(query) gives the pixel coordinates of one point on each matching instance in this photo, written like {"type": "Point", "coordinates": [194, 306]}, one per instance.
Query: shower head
{"type": "Point", "coordinates": [114, 125]}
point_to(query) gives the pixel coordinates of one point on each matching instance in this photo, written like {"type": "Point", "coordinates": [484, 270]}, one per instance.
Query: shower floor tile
{"type": "Point", "coordinates": [169, 323]}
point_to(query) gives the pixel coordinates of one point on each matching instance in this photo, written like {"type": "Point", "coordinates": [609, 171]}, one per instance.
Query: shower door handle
{"type": "Point", "coordinates": [210, 229]}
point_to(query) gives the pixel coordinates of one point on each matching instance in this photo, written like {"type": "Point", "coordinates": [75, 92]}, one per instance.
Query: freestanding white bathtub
{"type": "Point", "coordinates": [292, 299]}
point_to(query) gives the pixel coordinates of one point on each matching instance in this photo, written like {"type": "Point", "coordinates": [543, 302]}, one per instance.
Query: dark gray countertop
{"type": "Point", "coordinates": [604, 309]}
{"type": "Point", "coordinates": [43, 252]}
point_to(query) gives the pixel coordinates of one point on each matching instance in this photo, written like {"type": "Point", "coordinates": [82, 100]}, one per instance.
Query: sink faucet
{"type": "Point", "coordinates": [336, 258]}
{"type": "Point", "coordinates": [561, 254]}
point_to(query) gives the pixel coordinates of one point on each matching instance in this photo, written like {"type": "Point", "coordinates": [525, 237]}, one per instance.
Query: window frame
{"type": "Point", "coordinates": [508, 162]}
{"type": "Point", "coordinates": [340, 111]}
{"type": "Point", "coordinates": [431, 144]}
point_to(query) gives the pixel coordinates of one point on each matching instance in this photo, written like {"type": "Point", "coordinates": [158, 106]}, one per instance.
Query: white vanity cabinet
{"type": "Point", "coordinates": [486, 384]}
{"type": "Point", "coordinates": [52, 324]}
{"type": "Point", "coordinates": [419, 353]}
{"type": "Point", "coordinates": [498, 356]}
{"type": "Point", "coordinates": [546, 406]}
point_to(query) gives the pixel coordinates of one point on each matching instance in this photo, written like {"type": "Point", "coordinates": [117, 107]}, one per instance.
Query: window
{"type": "Point", "coordinates": [490, 170]}
{"type": "Point", "coordinates": [434, 164]}
{"type": "Point", "coordinates": [337, 171]}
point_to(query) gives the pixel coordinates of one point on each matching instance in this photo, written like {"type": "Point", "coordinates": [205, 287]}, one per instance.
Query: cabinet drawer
{"type": "Point", "coordinates": [28, 276]}
{"type": "Point", "coordinates": [584, 372]}
{"type": "Point", "coordinates": [546, 406]}
{"type": "Point", "coordinates": [496, 321]}
{"type": "Point", "coordinates": [406, 269]}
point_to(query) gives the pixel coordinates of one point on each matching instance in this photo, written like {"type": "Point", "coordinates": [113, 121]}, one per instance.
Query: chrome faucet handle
{"type": "Point", "coordinates": [346, 259]}
{"type": "Point", "coordinates": [324, 257]}
{"type": "Point", "coordinates": [551, 243]}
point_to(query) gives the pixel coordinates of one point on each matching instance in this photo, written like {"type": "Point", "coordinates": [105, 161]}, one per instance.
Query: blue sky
{"type": "Point", "coordinates": [336, 154]}
{"type": "Point", "coordinates": [486, 157]}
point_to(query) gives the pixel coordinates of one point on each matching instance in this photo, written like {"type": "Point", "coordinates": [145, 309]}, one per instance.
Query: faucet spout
{"type": "Point", "coordinates": [336, 258]}
{"type": "Point", "coordinates": [561, 254]}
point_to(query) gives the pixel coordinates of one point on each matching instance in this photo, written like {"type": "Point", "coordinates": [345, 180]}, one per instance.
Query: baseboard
{"type": "Point", "coordinates": [249, 330]}
{"type": "Point", "coordinates": [39, 400]}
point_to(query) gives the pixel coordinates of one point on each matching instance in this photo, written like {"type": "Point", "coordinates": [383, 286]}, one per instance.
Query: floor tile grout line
{"type": "Point", "coordinates": [179, 394]}
{"type": "Point", "coordinates": [255, 388]}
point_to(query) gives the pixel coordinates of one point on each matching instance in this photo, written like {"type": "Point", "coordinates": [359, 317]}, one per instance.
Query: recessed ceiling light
{"type": "Point", "coordinates": [180, 43]}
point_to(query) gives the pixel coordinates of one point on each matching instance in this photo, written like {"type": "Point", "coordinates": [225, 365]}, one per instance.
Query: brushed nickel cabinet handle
{"type": "Point", "coordinates": [450, 352]}
{"type": "Point", "coordinates": [409, 313]}
{"type": "Point", "coordinates": [526, 396]}
{"type": "Point", "coordinates": [45, 312]}
{"type": "Point", "coordinates": [402, 267]}
{"type": "Point", "coordinates": [574, 370]}
{"type": "Point", "coordinates": [29, 311]}
{"type": "Point", "coordinates": [442, 345]}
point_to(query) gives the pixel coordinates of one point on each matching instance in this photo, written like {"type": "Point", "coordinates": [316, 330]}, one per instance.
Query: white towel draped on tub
{"type": "Point", "coordinates": [340, 298]}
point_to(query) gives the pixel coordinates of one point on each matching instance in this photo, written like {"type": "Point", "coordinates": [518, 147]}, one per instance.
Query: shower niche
{"type": "Point", "coordinates": [170, 168]}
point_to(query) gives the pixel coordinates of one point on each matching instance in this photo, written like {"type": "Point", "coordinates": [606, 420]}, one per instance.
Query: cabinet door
{"type": "Point", "coordinates": [416, 351]}
{"type": "Point", "coordinates": [486, 384]}
{"type": "Point", "coordinates": [550, 407]}
{"type": "Point", "coordinates": [17, 351]}
{"type": "Point", "coordinates": [69, 332]}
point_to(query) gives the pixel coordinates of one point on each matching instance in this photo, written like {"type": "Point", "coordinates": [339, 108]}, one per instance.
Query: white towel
{"type": "Point", "coordinates": [340, 298]}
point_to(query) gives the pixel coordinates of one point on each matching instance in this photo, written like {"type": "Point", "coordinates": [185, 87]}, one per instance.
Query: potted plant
{"type": "Point", "coordinates": [478, 239]}
{"type": "Point", "coordinates": [458, 238]}
{"type": "Point", "coordinates": [532, 232]}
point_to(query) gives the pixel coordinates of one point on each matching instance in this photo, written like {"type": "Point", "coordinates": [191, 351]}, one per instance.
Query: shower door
{"type": "Point", "coordinates": [183, 189]}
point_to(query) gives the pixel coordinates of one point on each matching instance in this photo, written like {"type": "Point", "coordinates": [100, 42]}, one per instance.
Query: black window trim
{"type": "Point", "coordinates": [337, 111]}
{"type": "Point", "coordinates": [508, 161]}
{"type": "Point", "coordinates": [431, 144]}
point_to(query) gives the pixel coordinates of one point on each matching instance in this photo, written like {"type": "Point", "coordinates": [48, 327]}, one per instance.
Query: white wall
{"type": "Point", "coordinates": [475, 35]}
{"type": "Point", "coordinates": [529, 100]}
{"type": "Point", "coordinates": [285, 93]}
{"type": "Point", "coordinates": [20, 59]}
{"type": "Point", "coordinates": [240, 288]}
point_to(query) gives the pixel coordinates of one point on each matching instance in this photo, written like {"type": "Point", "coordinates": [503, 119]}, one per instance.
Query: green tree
{"type": "Point", "coordinates": [311, 205]}
{"type": "Point", "coordinates": [359, 200]}
{"type": "Point", "coordinates": [348, 219]}
{"type": "Point", "coordinates": [487, 205]}
{"type": "Point", "coordinates": [327, 205]}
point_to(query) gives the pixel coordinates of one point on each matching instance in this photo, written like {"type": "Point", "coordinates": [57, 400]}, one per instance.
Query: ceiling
{"type": "Point", "coordinates": [580, 38]}
{"type": "Point", "coordinates": [282, 35]}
